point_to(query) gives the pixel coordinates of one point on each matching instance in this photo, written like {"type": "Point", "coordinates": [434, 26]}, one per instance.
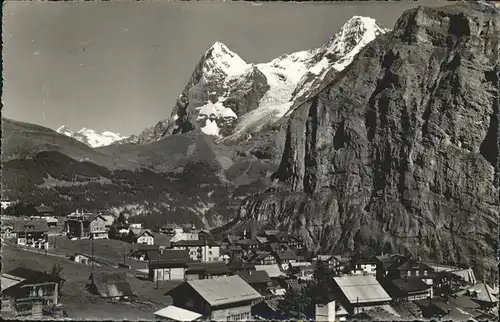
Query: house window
{"type": "Point", "coordinates": [409, 273]}
{"type": "Point", "coordinates": [425, 273]}
{"type": "Point", "coordinates": [416, 273]}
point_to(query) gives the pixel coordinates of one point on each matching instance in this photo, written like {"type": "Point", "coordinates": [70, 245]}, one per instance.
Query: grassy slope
{"type": "Point", "coordinates": [77, 301]}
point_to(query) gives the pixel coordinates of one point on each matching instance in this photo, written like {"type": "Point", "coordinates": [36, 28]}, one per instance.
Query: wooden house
{"type": "Point", "coordinates": [259, 280]}
{"type": "Point", "coordinates": [196, 271]}
{"type": "Point", "coordinates": [28, 293]}
{"type": "Point", "coordinates": [86, 226]}
{"type": "Point", "coordinates": [33, 233]}
{"type": "Point", "coordinates": [171, 265]}
{"type": "Point", "coordinates": [219, 299]}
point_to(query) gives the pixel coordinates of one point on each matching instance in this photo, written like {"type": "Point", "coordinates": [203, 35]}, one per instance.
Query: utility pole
{"type": "Point", "coordinates": [92, 255]}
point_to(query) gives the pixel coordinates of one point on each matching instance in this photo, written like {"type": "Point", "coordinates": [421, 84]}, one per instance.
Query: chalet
{"type": "Point", "coordinates": [219, 299]}
{"type": "Point", "coordinates": [200, 271]}
{"type": "Point", "coordinates": [174, 313]}
{"type": "Point", "coordinates": [410, 289]}
{"type": "Point", "coordinates": [237, 265]}
{"type": "Point", "coordinates": [411, 268]}
{"type": "Point", "coordinates": [384, 262]}
{"type": "Point", "coordinates": [168, 229]}
{"type": "Point", "coordinates": [86, 226]}
{"type": "Point", "coordinates": [232, 250]}
{"type": "Point", "coordinates": [29, 293]}
{"type": "Point", "coordinates": [273, 271]}
{"type": "Point", "coordinates": [44, 211]}
{"type": "Point", "coordinates": [171, 265]}
{"type": "Point", "coordinates": [295, 242]}
{"type": "Point", "coordinates": [248, 245]}
{"type": "Point", "coordinates": [146, 252]}
{"type": "Point", "coordinates": [110, 284]}
{"type": "Point", "coordinates": [203, 250]}
{"type": "Point", "coordinates": [141, 236]}
{"type": "Point", "coordinates": [285, 258]}
{"type": "Point", "coordinates": [259, 280]}
{"type": "Point", "coordinates": [263, 258]}
{"type": "Point", "coordinates": [358, 293]}
{"type": "Point", "coordinates": [363, 266]}
{"type": "Point", "coordinates": [33, 233]}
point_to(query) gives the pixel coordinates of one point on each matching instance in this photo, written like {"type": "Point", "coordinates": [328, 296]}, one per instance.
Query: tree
{"type": "Point", "coordinates": [294, 301]}
{"type": "Point", "coordinates": [321, 291]}
{"type": "Point", "coordinates": [57, 272]}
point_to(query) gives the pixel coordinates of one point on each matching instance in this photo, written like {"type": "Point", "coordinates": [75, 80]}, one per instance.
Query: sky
{"type": "Point", "coordinates": [120, 66]}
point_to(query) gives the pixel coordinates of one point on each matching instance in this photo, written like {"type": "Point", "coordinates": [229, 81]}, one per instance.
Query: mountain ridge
{"type": "Point", "coordinates": [94, 139]}
{"type": "Point", "coordinates": [230, 98]}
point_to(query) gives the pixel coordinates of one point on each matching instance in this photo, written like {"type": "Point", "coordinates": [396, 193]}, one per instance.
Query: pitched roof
{"type": "Point", "coordinates": [412, 265]}
{"type": "Point", "coordinates": [9, 281]}
{"type": "Point", "coordinates": [145, 231]}
{"type": "Point", "coordinates": [272, 270]}
{"type": "Point", "coordinates": [33, 275]}
{"type": "Point", "coordinates": [224, 290]}
{"type": "Point", "coordinates": [411, 285]}
{"type": "Point", "coordinates": [169, 258]}
{"type": "Point", "coordinates": [286, 255]}
{"type": "Point", "coordinates": [262, 240]}
{"type": "Point", "coordinates": [191, 243]}
{"type": "Point", "coordinates": [361, 289]}
{"type": "Point", "coordinates": [175, 313]}
{"type": "Point", "coordinates": [255, 277]}
{"type": "Point", "coordinates": [142, 247]}
{"type": "Point", "coordinates": [484, 293]}
{"type": "Point", "coordinates": [209, 268]}
{"type": "Point", "coordinates": [247, 242]}
{"type": "Point", "coordinates": [41, 209]}
{"type": "Point", "coordinates": [38, 225]}
{"type": "Point", "coordinates": [111, 283]}
{"type": "Point", "coordinates": [237, 263]}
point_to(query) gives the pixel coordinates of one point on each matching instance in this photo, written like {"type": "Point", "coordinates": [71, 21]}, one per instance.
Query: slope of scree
{"type": "Point", "coordinates": [399, 152]}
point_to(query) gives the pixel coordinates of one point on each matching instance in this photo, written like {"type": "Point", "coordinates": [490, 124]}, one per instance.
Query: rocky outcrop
{"type": "Point", "coordinates": [399, 152]}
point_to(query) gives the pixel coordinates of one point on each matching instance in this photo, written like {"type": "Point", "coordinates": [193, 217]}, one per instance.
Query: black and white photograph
{"type": "Point", "coordinates": [250, 160]}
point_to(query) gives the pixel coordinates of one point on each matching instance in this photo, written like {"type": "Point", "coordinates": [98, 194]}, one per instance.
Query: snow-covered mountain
{"type": "Point", "coordinates": [230, 98]}
{"type": "Point", "coordinates": [95, 139]}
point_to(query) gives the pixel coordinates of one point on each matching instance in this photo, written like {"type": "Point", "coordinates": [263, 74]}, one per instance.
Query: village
{"type": "Point", "coordinates": [98, 265]}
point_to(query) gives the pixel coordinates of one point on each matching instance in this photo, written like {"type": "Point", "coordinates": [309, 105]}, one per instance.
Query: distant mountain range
{"type": "Point", "coordinates": [94, 139]}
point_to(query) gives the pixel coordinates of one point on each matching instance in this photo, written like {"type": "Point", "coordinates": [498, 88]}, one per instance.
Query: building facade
{"type": "Point", "coordinates": [202, 250]}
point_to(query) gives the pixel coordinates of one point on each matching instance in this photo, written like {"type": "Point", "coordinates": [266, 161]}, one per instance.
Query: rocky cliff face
{"type": "Point", "coordinates": [399, 152]}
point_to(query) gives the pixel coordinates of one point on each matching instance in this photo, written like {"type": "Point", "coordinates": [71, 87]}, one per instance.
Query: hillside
{"type": "Point", "coordinates": [399, 152]}
{"type": "Point", "coordinates": [183, 178]}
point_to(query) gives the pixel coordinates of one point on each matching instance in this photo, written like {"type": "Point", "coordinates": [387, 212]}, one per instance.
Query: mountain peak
{"type": "Point", "coordinates": [94, 138]}
{"type": "Point", "coordinates": [219, 57]}
{"type": "Point", "coordinates": [64, 128]}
